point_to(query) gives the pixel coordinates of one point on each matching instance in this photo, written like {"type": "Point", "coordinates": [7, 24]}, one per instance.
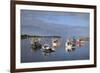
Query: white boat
{"type": "Point", "coordinates": [68, 47]}
{"type": "Point", "coordinates": [55, 43]}
{"type": "Point", "coordinates": [46, 48]}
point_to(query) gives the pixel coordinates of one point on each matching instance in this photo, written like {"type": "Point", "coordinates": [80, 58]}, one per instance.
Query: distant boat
{"type": "Point", "coordinates": [69, 46]}
{"type": "Point", "coordinates": [46, 48]}
{"type": "Point", "coordinates": [55, 43]}
{"type": "Point", "coordinates": [36, 45]}
{"type": "Point", "coordinates": [32, 40]}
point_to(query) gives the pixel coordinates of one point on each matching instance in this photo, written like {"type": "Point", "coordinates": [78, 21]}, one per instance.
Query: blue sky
{"type": "Point", "coordinates": [32, 20]}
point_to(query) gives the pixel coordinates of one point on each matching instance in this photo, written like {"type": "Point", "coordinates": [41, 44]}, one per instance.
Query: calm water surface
{"type": "Point", "coordinates": [61, 54]}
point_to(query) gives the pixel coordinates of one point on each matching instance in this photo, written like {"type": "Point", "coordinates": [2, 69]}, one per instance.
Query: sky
{"type": "Point", "coordinates": [42, 22]}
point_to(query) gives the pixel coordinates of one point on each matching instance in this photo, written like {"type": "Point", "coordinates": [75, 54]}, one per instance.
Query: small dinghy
{"type": "Point", "coordinates": [47, 49]}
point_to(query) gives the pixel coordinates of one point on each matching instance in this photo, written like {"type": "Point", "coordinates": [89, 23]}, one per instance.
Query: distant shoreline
{"type": "Point", "coordinates": [37, 36]}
